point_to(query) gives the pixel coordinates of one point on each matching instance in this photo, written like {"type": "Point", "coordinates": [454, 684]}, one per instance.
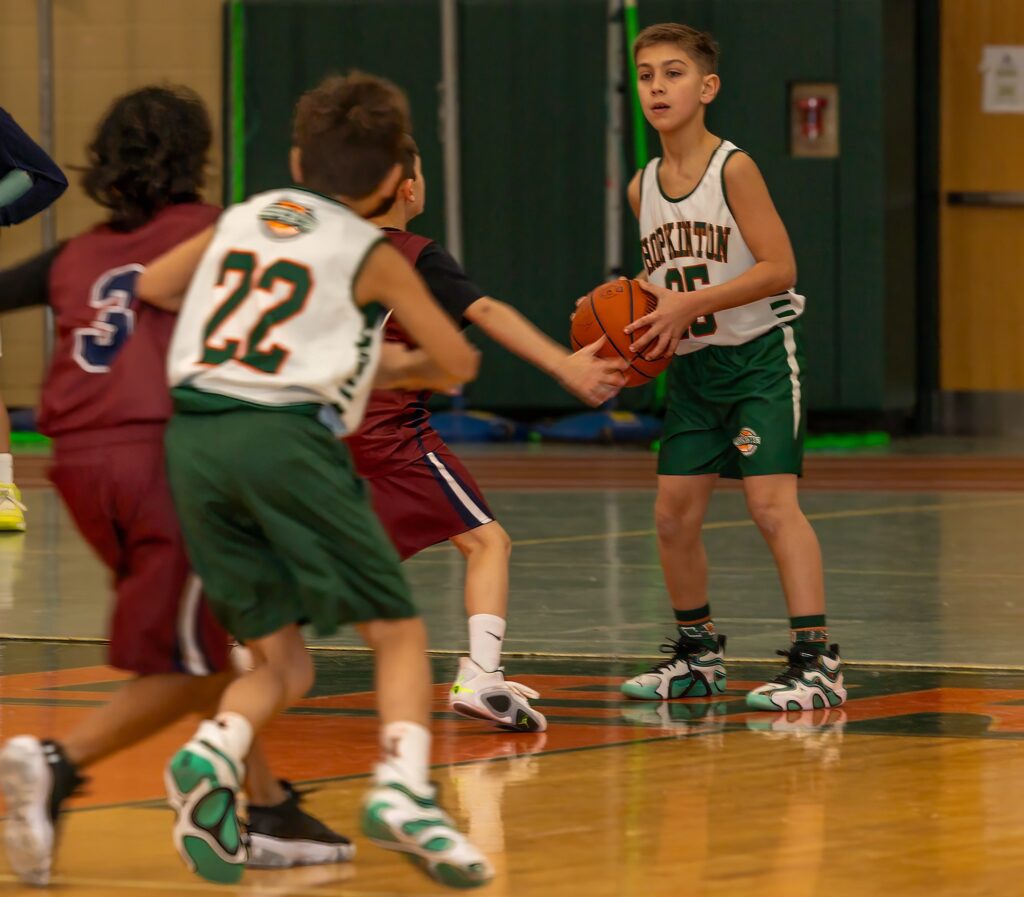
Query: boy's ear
{"type": "Point", "coordinates": [709, 88]}
{"type": "Point", "coordinates": [407, 189]}
{"type": "Point", "coordinates": [295, 164]}
{"type": "Point", "coordinates": [388, 186]}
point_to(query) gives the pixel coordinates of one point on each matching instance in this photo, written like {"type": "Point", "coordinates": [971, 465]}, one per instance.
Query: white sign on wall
{"type": "Point", "coordinates": [1002, 72]}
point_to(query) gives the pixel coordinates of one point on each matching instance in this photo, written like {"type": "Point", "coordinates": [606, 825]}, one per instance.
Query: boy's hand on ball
{"type": "Point", "coordinates": [592, 379]}
{"type": "Point", "coordinates": [665, 325]}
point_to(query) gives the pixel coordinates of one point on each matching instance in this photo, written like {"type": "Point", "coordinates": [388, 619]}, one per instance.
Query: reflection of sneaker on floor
{"type": "Point", "coordinates": [36, 779]}
{"type": "Point", "coordinates": [819, 731]}
{"type": "Point", "coordinates": [284, 835]}
{"type": "Point", "coordinates": [811, 680]}
{"type": "Point", "coordinates": [12, 511]}
{"type": "Point", "coordinates": [202, 787]}
{"type": "Point", "coordinates": [693, 671]}
{"type": "Point", "coordinates": [399, 817]}
{"type": "Point", "coordinates": [12, 551]}
{"type": "Point", "coordinates": [480, 788]}
{"type": "Point", "coordinates": [490, 696]}
{"type": "Point", "coordinates": [677, 716]}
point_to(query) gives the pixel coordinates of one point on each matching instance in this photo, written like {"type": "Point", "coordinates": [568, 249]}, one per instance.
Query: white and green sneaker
{"type": "Point", "coordinates": [812, 680]}
{"type": "Point", "coordinates": [693, 671]}
{"type": "Point", "coordinates": [399, 817]}
{"type": "Point", "coordinates": [202, 788]}
{"type": "Point", "coordinates": [479, 694]}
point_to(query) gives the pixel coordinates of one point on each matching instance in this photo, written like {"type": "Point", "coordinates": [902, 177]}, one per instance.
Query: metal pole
{"type": "Point", "coordinates": [44, 15]}
{"type": "Point", "coordinates": [44, 20]}
{"type": "Point", "coordinates": [450, 138]}
{"type": "Point", "coordinates": [613, 146]}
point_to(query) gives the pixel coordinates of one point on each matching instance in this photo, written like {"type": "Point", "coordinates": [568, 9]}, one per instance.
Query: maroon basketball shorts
{"type": "Point", "coordinates": [120, 501]}
{"type": "Point", "coordinates": [428, 501]}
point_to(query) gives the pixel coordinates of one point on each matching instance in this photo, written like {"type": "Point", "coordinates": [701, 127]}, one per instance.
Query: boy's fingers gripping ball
{"type": "Point", "coordinates": [606, 311]}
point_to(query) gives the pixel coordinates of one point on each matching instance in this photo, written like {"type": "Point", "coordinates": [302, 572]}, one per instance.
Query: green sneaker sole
{"type": "Point", "coordinates": [209, 865]}
{"type": "Point", "coordinates": [188, 770]}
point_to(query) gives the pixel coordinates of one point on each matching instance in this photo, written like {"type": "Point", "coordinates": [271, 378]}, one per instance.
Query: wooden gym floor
{"type": "Point", "coordinates": [915, 787]}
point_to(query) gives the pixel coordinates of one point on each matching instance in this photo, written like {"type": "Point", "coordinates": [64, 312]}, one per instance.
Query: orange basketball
{"type": "Point", "coordinates": [606, 311]}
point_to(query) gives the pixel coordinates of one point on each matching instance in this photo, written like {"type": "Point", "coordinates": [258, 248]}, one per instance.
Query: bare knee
{"type": "Point", "coordinates": [677, 520]}
{"type": "Point", "coordinates": [409, 632]}
{"type": "Point", "coordinates": [297, 677]}
{"type": "Point", "coordinates": [286, 656]}
{"type": "Point", "coordinates": [772, 514]}
{"type": "Point", "coordinates": [489, 538]}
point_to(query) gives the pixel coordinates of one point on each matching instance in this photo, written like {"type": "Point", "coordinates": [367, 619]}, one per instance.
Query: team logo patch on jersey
{"type": "Point", "coordinates": [284, 220]}
{"type": "Point", "coordinates": [747, 442]}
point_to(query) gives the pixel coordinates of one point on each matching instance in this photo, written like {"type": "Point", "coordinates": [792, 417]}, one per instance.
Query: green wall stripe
{"type": "Point", "coordinates": [237, 101]}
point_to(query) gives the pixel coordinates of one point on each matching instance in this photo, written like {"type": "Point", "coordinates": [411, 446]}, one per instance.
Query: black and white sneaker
{"type": "Point", "coordinates": [36, 779]}
{"type": "Point", "coordinates": [693, 670]}
{"type": "Point", "coordinates": [284, 835]}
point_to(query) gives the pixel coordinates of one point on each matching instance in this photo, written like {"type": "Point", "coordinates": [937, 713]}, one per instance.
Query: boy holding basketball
{"type": "Point", "coordinates": [421, 491]}
{"type": "Point", "coordinates": [718, 260]}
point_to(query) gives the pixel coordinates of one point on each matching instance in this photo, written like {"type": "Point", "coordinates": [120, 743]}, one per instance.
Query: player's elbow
{"type": "Point", "coordinates": [486, 313]}
{"type": "Point", "coordinates": [783, 276]}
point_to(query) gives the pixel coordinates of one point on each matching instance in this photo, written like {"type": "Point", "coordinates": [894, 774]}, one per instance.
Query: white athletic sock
{"type": "Point", "coordinates": [406, 753]}
{"type": "Point", "coordinates": [231, 733]}
{"type": "Point", "coordinates": [6, 468]}
{"type": "Point", "coordinates": [486, 636]}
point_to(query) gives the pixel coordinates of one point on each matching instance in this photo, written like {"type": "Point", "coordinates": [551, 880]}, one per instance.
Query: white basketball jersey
{"type": "Point", "coordinates": [692, 242]}
{"type": "Point", "coordinates": [270, 318]}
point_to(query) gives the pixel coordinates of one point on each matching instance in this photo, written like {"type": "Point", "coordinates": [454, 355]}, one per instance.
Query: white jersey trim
{"type": "Point", "coordinates": [789, 340]}
{"type": "Point", "coordinates": [188, 629]}
{"type": "Point", "coordinates": [457, 490]}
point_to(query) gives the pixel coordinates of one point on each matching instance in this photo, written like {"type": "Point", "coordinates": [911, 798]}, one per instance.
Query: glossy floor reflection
{"type": "Point", "coordinates": [919, 578]}
{"type": "Point", "coordinates": [915, 787]}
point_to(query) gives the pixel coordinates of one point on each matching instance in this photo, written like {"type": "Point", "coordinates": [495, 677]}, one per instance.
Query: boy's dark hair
{"type": "Point", "coordinates": [149, 151]}
{"type": "Point", "coordinates": [349, 130]}
{"type": "Point", "coordinates": [698, 45]}
{"type": "Point", "coordinates": [408, 153]}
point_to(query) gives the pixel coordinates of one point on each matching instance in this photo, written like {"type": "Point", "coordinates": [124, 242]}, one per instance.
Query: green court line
{"type": "Point", "coordinates": [160, 803]}
{"type": "Point", "coordinates": [922, 666]}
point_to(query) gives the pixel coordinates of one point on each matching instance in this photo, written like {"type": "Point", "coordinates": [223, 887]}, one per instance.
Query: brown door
{"type": "Point", "coordinates": [982, 245]}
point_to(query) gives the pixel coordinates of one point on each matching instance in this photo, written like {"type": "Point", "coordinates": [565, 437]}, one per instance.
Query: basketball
{"type": "Point", "coordinates": [606, 312]}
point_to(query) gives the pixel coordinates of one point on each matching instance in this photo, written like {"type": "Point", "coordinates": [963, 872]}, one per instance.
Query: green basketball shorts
{"type": "Point", "coordinates": [278, 525]}
{"type": "Point", "coordinates": [737, 411]}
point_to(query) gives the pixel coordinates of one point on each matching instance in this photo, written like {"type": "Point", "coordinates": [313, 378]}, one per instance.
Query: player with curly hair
{"type": "Point", "coordinates": [105, 404]}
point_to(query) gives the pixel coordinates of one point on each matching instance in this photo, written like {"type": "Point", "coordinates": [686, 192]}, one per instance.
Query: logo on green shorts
{"type": "Point", "coordinates": [747, 442]}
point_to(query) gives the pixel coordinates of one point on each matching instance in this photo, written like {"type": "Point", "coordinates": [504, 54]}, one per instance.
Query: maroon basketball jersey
{"type": "Point", "coordinates": [108, 367]}
{"type": "Point", "coordinates": [396, 425]}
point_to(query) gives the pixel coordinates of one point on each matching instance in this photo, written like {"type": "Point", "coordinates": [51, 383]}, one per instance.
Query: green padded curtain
{"type": "Point", "coordinates": [289, 45]}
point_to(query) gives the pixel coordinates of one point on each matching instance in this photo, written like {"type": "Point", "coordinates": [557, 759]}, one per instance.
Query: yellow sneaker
{"type": "Point", "coordinates": [12, 511]}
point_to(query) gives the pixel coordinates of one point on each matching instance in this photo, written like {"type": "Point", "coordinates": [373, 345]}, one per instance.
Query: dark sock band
{"type": "Point", "coordinates": [692, 617]}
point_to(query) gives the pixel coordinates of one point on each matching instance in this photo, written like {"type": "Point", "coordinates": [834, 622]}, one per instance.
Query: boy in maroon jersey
{"type": "Point", "coordinates": [105, 403]}
{"type": "Point", "coordinates": [422, 492]}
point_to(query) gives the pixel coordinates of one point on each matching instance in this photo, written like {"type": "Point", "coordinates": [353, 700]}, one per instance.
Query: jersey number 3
{"type": "Point", "coordinates": [705, 325]}
{"type": "Point", "coordinates": [246, 350]}
{"type": "Point", "coordinates": [113, 295]}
